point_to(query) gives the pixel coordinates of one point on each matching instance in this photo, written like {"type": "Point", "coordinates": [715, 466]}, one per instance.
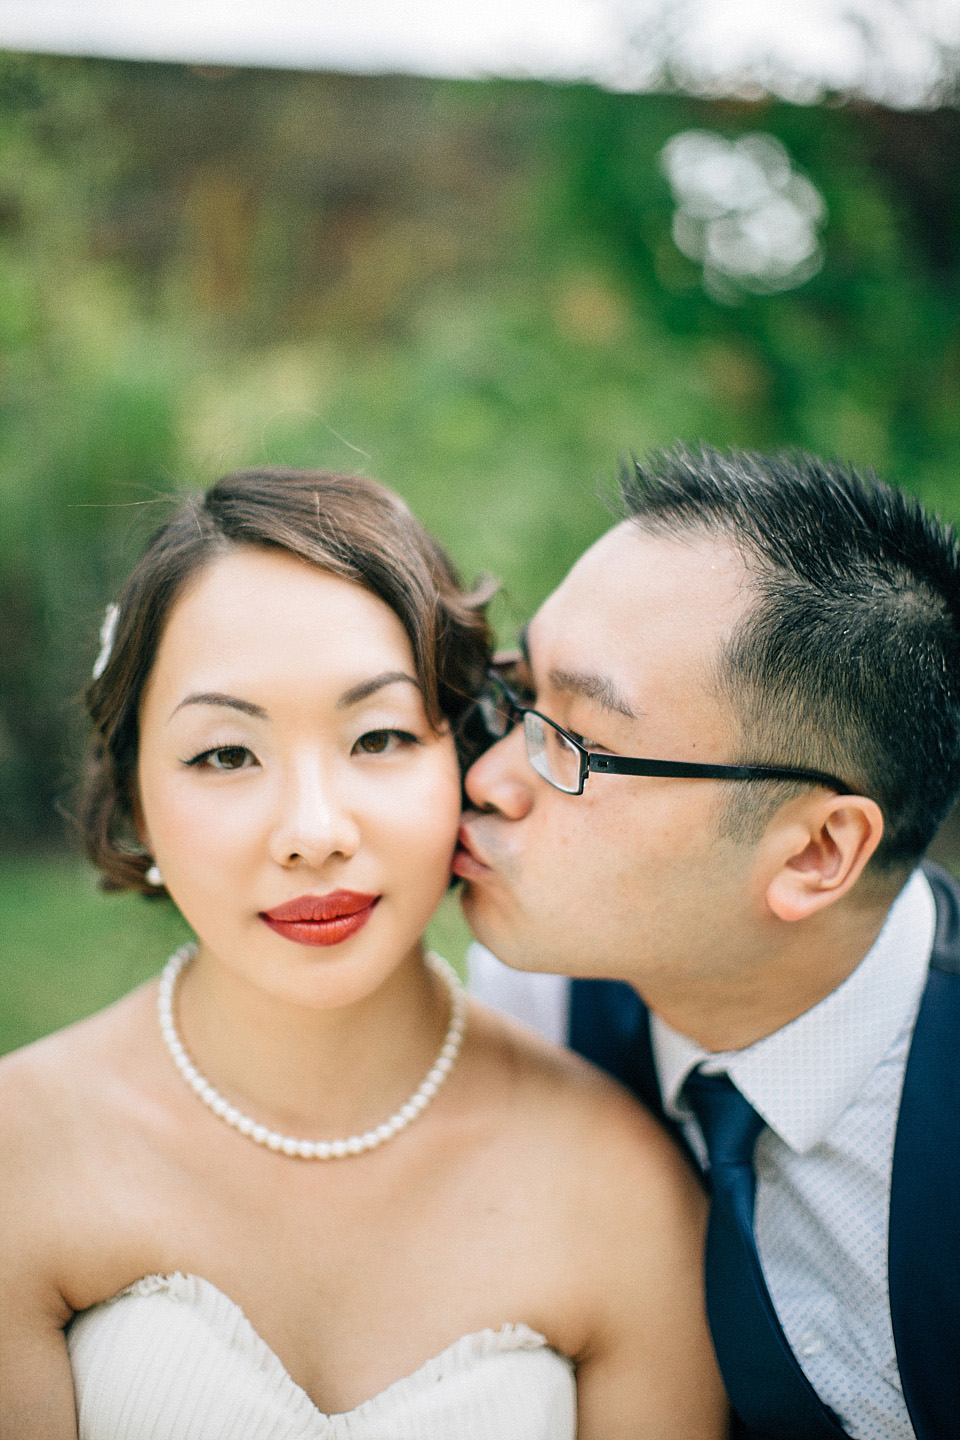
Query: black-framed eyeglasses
{"type": "Point", "coordinates": [565, 764]}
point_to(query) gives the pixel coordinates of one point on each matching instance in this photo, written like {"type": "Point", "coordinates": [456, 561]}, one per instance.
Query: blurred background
{"type": "Point", "coordinates": [476, 257]}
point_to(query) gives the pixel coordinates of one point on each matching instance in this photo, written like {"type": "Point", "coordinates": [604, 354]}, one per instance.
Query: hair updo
{"type": "Point", "coordinates": [345, 525]}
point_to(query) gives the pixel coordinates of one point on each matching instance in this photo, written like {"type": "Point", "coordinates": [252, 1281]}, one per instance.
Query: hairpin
{"type": "Point", "coordinates": [107, 631]}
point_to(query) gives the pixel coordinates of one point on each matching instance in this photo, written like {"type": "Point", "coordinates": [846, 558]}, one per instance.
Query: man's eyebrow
{"type": "Point", "coordinates": [583, 682]}
{"type": "Point", "coordinates": [229, 702]}
{"type": "Point", "coordinates": [366, 688]}
{"type": "Point", "coordinates": [593, 687]}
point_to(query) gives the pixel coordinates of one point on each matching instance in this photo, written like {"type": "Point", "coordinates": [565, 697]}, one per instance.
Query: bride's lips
{"type": "Point", "coordinates": [321, 919]}
{"type": "Point", "coordinates": [466, 863]}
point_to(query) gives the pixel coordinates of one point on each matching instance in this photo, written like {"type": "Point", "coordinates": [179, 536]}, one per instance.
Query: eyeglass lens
{"type": "Point", "coordinates": [551, 754]}
{"type": "Point", "coordinates": [548, 750]}
{"type": "Point", "coordinates": [496, 712]}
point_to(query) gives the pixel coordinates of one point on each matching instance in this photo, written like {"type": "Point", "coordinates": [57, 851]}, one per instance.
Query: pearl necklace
{"type": "Point", "coordinates": [288, 1144]}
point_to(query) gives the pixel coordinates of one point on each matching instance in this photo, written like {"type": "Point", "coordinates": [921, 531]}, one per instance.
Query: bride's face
{"type": "Point", "coordinates": [285, 755]}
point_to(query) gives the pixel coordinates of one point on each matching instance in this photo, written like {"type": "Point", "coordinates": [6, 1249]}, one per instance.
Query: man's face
{"type": "Point", "coordinates": [631, 879]}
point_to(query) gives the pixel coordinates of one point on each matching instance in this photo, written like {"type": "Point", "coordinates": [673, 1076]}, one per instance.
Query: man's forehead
{"type": "Point", "coordinates": [636, 598]}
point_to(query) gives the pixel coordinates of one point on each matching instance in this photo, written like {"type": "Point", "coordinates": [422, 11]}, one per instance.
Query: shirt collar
{"type": "Point", "coordinates": [801, 1078]}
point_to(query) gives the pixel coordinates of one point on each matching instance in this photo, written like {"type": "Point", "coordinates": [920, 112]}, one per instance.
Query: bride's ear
{"type": "Point", "coordinates": [818, 851]}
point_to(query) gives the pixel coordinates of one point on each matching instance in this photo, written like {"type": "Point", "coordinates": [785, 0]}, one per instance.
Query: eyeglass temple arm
{"type": "Point", "coordinates": [679, 769]}
{"type": "Point", "coordinates": [675, 769]}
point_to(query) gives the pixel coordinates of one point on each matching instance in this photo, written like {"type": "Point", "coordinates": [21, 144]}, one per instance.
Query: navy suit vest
{"type": "Point", "coordinates": [610, 1025]}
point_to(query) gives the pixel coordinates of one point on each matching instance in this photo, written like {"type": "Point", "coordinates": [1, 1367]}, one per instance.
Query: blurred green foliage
{"type": "Point", "coordinates": [68, 949]}
{"type": "Point", "coordinates": [467, 290]}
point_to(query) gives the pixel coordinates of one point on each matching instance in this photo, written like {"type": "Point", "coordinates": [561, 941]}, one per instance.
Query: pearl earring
{"type": "Point", "coordinates": [153, 876]}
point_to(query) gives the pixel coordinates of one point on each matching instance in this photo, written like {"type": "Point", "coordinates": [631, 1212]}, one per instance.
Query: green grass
{"type": "Point", "coordinates": [447, 932]}
{"type": "Point", "coordinates": [67, 949]}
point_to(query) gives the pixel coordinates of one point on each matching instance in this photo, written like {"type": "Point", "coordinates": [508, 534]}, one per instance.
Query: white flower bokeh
{"type": "Point", "coordinates": [743, 212]}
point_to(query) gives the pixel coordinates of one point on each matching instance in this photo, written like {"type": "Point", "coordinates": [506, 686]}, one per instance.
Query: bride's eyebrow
{"type": "Point", "coordinates": [366, 688]}
{"type": "Point", "coordinates": [229, 702]}
{"type": "Point", "coordinates": [353, 696]}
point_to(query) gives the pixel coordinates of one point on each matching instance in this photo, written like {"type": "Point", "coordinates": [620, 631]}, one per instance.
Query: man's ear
{"type": "Point", "coordinates": [819, 851]}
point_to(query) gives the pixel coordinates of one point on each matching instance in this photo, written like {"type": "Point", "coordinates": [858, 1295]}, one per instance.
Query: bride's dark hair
{"type": "Point", "coordinates": [345, 525]}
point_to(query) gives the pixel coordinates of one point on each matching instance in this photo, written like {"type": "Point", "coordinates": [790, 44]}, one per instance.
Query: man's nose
{"type": "Point", "coordinates": [314, 821]}
{"type": "Point", "coordinates": [501, 779]}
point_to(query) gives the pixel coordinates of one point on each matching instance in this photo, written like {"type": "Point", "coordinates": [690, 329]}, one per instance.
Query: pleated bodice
{"type": "Point", "coordinates": [173, 1358]}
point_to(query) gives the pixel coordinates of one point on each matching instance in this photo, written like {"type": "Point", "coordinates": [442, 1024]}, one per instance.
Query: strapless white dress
{"type": "Point", "coordinates": [173, 1358]}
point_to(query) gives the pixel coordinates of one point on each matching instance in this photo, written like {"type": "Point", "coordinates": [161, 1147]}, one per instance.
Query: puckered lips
{"type": "Point", "coordinates": [466, 863]}
{"type": "Point", "coordinates": [321, 919]}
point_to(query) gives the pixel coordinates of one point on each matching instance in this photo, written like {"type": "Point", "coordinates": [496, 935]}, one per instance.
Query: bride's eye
{"type": "Point", "coordinates": [225, 757]}
{"type": "Point", "coordinates": [383, 742]}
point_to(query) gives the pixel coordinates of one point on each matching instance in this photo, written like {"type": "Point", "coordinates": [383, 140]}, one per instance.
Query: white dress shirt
{"type": "Point", "coordinates": [828, 1085]}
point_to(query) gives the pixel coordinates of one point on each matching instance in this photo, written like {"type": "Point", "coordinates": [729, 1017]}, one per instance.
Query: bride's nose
{"type": "Point", "coordinates": [313, 820]}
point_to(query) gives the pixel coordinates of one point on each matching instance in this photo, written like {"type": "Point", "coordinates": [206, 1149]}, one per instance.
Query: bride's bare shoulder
{"type": "Point", "coordinates": [618, 1217]}
{"type": "Point", "coordinates": [573, 1108]}
{"type": "Point", "coordinates": [45, 1086]}
{"type": "Point", "coordinates": [65, 1103]}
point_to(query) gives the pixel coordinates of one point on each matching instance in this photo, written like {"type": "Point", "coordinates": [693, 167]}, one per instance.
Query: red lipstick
{"type": "Point", "coordinates": [321, 919]}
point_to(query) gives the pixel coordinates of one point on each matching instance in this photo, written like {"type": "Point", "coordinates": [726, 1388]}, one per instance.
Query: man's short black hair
{"type": "Point", "coordinates": [849, 659]}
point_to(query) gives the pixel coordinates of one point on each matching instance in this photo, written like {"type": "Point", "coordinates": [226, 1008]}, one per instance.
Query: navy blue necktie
{"type": "Point", "coordinates": [765, 1383]}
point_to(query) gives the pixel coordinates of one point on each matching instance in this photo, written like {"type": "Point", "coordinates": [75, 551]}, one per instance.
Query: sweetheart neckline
{"type": "Point", "coordinates": [474, 1345]}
